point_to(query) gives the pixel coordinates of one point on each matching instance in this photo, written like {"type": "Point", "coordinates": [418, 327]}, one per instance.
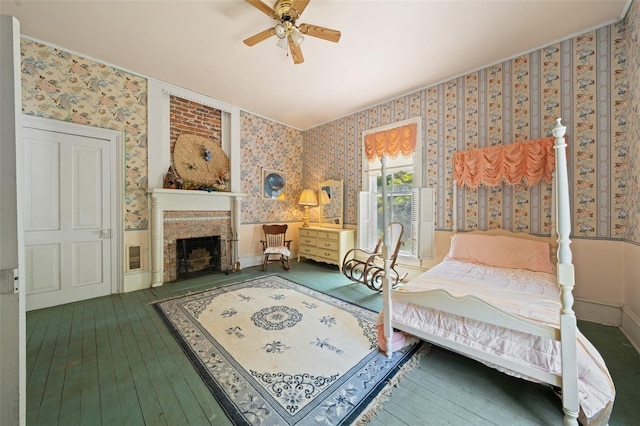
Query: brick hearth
{"type": "Point", "coordinates": [192, 224]}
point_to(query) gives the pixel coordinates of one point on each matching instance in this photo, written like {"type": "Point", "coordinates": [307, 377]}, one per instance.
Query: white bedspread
{"type": "Point", "coordinates": [531, 295]}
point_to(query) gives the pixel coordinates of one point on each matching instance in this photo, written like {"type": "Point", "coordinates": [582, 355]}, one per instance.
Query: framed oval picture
{"type": "Point", "coordinates": [274, 184]}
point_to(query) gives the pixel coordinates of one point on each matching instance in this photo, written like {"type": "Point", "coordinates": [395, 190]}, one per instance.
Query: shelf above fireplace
{"type": "Point", "coordinates": [184, 199]}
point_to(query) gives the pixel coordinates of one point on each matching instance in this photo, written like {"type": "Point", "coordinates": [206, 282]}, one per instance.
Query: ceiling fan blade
{"type": "Point", "coordinates": [262, 35]}
{"type": "Point", "coordinates": [299, 6]}
{"type": "Point", "coordinates": [320, 32]}
{"type": "Point", "coordinates": [263, 7]}
{"type": "Point", "coordinates": [296, 52]}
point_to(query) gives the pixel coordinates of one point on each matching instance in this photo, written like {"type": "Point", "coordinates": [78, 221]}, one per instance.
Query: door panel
{"type": "Point", "coordinates": [42, 197]}
{"type": "Point", "coordinates": [43, 266]}
{"type": "Point", "coordinates": [87, 263]}
{"type": "Point", "coordinates": [69, 180]}
{"type": "Point", "coordinates": [87, 179]}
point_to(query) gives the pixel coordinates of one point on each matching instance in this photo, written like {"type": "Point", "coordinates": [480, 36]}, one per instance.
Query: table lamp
{"type": "Point", "coordinates": [307, 198]}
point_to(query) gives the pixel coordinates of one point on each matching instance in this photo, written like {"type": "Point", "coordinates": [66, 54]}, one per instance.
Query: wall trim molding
{"type": "Point", "coordinates": [159, 152]}
{"type": "Point", "coordinates": [190, 95]}
{"type": "Point", "coordinates": [598, 312]}
{"type": "Point", "coordinates": [612, 315]}
{"type": "Point", "coordinates": [630, 327]}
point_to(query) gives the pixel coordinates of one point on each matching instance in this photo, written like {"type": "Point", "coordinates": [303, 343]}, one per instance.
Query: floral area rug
{"type": "Point", "coordinates": [274, 352]}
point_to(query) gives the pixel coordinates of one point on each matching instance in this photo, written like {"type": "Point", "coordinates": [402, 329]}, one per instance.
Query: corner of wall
{"type": "Point", "coordinates": [630, 327]}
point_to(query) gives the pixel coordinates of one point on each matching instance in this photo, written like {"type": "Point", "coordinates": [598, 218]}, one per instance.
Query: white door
{"type": "Point", "coordinates": [67, 217]}
{"type": "Point", "coordinates": [13, 371]}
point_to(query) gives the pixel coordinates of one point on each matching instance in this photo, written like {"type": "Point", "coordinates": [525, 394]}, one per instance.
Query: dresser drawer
{"type": "Point", "coordinates": [328, 235]}
{"type": "Point", "coordinates": [328, 244]}
{"type": "Point", "coordinates": [307, 250]}
{"type": "Point", "coordinates": [307, 240]}
{"type": "Point", "coordinates": [328, 254]}
{"type": "Point", "coordinates": [308, 233]}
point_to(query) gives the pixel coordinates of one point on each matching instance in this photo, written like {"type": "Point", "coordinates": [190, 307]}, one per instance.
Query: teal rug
{"type": "Point", "coordinates": [274, 352]}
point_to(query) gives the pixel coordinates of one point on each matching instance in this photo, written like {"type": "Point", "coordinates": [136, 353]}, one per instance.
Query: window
{"type": "Point", "coordinates": [399, 205]}
{"type": "Point", "coordinates": [407, 203]}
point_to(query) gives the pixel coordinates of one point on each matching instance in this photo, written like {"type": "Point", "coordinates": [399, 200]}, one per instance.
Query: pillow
{"type": "Point", "coordinates": [502, 251]}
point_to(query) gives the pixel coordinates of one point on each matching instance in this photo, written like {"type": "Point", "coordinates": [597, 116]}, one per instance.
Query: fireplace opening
{"type": "Point", "coordinates": [198, 256]}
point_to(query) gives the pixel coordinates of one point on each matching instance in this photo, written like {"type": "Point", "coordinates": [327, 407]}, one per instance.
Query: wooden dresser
{"type": "Point", "coordinates": [328, 245]}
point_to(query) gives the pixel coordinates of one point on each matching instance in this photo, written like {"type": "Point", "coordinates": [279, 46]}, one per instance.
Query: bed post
{"type": "Point", "coordinates": [455, 206]}
{"type": "Point", "coordinates": [386, 286]}
{"type": "Point", "coordinates": [566, 279]}
{"type": "Point", "coordinates": [553, 242]}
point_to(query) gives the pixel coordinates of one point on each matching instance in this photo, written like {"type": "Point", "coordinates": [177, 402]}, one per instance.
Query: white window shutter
{"type": "Point", "coordinates": [422, 222]}
{"type": "Point", "coordinates": [367, 222]}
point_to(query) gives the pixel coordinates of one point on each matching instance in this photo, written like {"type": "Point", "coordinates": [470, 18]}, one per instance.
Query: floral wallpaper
{"type": "Point", "coordinates": [61, 86]}
{"type": "Point", "coordinates": [633, 176]}
{"type": "Point", "coordinates": [265, 144]}
{"type": "Point", "coordinates": [584, 80]}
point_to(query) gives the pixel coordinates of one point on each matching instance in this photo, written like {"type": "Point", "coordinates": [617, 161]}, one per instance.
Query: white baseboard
{"type": "Point", "coordinates": [598, 312]}
{"type": "Point", "coordinates": [618, 316]}
{"type": "Point", "coordinates": [137, 281]}
{"type": "Point", "coordinates": [630, 327]}
{"type": "Point", "coordinates": [249, 261]}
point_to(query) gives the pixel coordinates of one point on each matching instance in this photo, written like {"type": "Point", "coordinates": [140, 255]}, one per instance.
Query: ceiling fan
{"type": "Point", "coordinates": [291, 35]}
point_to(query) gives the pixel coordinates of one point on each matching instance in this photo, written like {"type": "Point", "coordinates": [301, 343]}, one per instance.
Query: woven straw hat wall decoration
{"type": "Point", "coordinates": [201, 163]}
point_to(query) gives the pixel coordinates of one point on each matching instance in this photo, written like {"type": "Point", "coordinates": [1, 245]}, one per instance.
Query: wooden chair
{"type": "Point", "coordinates": [275, 246]}
{"type": "Point", "coordinates": [367, 267]}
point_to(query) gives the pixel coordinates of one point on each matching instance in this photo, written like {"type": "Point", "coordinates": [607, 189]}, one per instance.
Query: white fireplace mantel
{"type": "Point", "coordinates": [180, 200]}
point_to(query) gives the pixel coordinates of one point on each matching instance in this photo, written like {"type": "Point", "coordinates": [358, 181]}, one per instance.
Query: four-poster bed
{"type": "Point", "coordinates": [499, 300]}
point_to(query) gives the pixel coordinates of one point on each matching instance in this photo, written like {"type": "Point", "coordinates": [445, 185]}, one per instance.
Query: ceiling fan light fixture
{"type": "Point", "coordinates": [281, 31]}
{"type": "Point", "coordinates": [297, 37]}
{"type": "Point", "coordinates": [283, 43]}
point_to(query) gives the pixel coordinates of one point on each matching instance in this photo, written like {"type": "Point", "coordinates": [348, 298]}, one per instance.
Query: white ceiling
{"type": "Point", "coordinates": [388, 48]}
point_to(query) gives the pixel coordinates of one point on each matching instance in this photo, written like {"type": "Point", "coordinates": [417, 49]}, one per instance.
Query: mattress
{"type": "Point", "coordinates": [530, 295]}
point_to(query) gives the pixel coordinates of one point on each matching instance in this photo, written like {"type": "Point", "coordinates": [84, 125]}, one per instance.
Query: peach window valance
{"type": "Point", "coordinates": [528, 162]}
{"type": "Point", "coordinates": [393, 142]}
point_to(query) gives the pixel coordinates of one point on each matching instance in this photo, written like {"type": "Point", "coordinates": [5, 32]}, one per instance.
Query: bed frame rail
{"type": "Point", "coordinates": [480, 355]}
{"type": "Point", "coordinates": [474, 308]}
